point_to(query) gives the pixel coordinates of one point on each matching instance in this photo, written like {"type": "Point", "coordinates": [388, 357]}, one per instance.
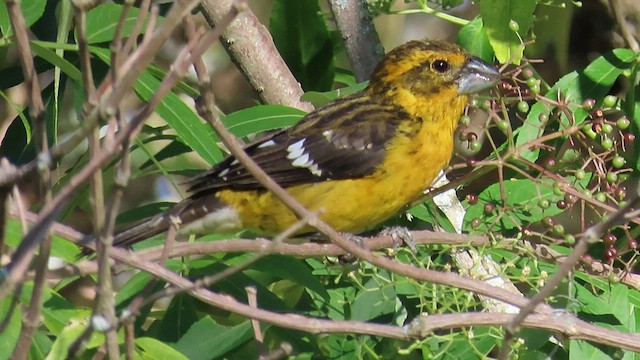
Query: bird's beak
{"type": "Point", "coordinates": [477, 75]}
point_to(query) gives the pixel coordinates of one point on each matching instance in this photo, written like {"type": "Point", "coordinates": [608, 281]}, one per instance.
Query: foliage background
{"type": "Point", "coordinates": [549, 155]}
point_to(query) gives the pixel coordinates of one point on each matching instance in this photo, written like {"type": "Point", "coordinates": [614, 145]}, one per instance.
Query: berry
{"type": "Point", "coordinates": [527, 73]}
{"type": "Point", "coordinates": [617, 162]}
{"type": "Point", "coordinates": [597, 113]}
{"type": "Point", "coordinates": [475, 146]}
{"type": "Point", "coordinates": [513, 25]}
{"type": "Point", "coordinates": [550, 163]}
{"type": "Point", "coordinates": [543, 118]}
{"type": "Point", "coordinates": [548, 221]}
{"type": "Point", "coordinates": [586, 258]}
{"type": "Point", "coordinates": [621, 192]}
{"type": "Point", "coordinates": [465, 120]}
{"type": "Point", "coordinates": [505, 86]}
{"type": "Point", "coordinates": [475, 222]}
{"type": "Point", "coordinates": [596, 127]}
{"type": "Point", "coordinates": [588, 104]}
{"type": "Point", "coordinates": [628, 137]}
{"type": "Point", "coordinates": [503, 125]}
{"type": "Point", "coordinates": [623, 123]}
{"type": "Point", "coordinates": [471, 136]}
{"type": "Point", "coordinates": [612, 177]}
{"type": "Point", "coordinates": [601, 197]}
{"type": "Point", "coordinates": [488, 208]}
{"type": "Point", "coordinates": [472, 199]}
{"type": "Point", "coordinates": [607, 128]}
{"type": "Point", "coordinates": [569, 239]}
{"type": "Point", "coordinates": [558, 229]}
{"type": "Point", "coordinates": [632, 244]}
{"type": "Point", "coordinates": [610, 239]}
{"type": "Point", "coordinates": [532, 81]}
{"type": "Point", "coordinates": [570, 198]}
{"type": "Point", "coordinates": [580, 174]}
{"type": "Point", "coordinates": [611, 253]}
{"type": "Point", "coordinates": [535, 89]}
{"type": "Point", "coordinates": [523, 106]}
{"type": "Point", "coordinates": [544, 203]}
{"type": "Point", "coordinates": [561, 204]}
{"type": "Point", "coordinates": [474, 103]}
{"type": "Point", "coordinates": [610, 101]}
{"type": "Point", "coordinates": [607, 143]}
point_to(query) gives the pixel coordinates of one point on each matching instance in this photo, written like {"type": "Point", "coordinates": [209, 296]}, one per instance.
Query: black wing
{"type": "Point", "coordinates": [345, 139]}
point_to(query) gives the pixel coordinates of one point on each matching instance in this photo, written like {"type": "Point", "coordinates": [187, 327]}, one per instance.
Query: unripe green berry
{"type": "Point", "coordinates": [607, 128]}
{"type": "Point", "coordinates": [544, 203]}
{"type": "Point", "coordinates": [617, 162]}
{"type": "Point", "coordinates": [531, 81]}
{"type": "Point", "coordinates": [523, 106]}
{"type": "Point", "coordinates": [503, 125]}
{"type": "Point", "coordinates": [535, 89]}
{"type": "Point", "coordinates": [513, 25]}
{"type": "Point", "coordinates": [580, 174]}
{"type": "Point", "coordinates": [569, 239]}
{"type": "Point", "coordinates": [475, 145]}
{"type": "Point", "coordinates": [601, 197]}
{"type": "Point", "coordinates": [558, 229]}
{"type": "Point", "coordinates": [623, 123]}
{"type": "Point", "coordinates": [612, 177]}
{"type": "Point", "coordinates": [607, 143]}
{"type": "Point", "coordinates": [543, 118]}
{"type": "Point", "coordinates": [610, 101]}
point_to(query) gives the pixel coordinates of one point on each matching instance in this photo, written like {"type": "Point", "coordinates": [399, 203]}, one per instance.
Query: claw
{"type": "Point", "coordinates": [400, 235]}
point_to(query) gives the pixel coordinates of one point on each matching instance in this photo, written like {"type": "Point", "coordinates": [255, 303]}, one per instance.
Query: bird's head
{"type": "Point", "coordinates": [420, 71]}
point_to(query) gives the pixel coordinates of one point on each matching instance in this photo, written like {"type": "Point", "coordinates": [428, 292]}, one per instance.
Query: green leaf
{"type": "Point", "coordinates": [11, 332]}
{"type": "Point", "coordinates": [189, 127]}
{"type": "Point", "coordinates": [32, 10]}
{"type": "Point", "coordinates": [178, 318]}
{"type": "Point", "coordinates": [60, 62]}
{"type": "Point", "coordinates": [473, 37]}
{"type": "Point", "coordinates": [376, 299]}
{"type": "Point", "coordinates": [302, 38]}
{"type": "Point", "coordinates": [156, 349]}
{"type": "Point", "coordinates": [582, 350]}
{"type": "Point", "coordinates": [261, 118]}
{"type": "Point", "coordinates": [199, 344]}
{"type": "Point", "coordinates": [103, 20]}
{"type": "Point", "coordinates": [496, 15]}
{"type": "Point", "coordinates": [522, 198]}
{"type": "Point", "coordinates": [594, 81]}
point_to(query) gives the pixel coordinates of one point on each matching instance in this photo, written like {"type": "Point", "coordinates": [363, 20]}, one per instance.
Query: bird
{"type": "Point", "coordinates": [357, 161]}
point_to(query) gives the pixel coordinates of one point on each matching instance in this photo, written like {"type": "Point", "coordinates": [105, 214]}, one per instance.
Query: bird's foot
{"type": "Point", "coordinates": [400, 236]}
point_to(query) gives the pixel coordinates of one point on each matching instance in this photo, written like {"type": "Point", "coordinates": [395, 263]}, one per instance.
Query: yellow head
{"type": "Point", "coordinates": [414, 74]}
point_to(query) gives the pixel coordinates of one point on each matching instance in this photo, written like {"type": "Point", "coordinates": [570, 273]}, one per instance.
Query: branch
{"type": "Point", "coordinates": [252, 49]}
{"type": "Point", "coordinates": [359, 35]}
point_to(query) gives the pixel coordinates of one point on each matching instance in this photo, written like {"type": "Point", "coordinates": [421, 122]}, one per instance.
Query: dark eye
{"type": "Point", "coordinates": [440, 66]}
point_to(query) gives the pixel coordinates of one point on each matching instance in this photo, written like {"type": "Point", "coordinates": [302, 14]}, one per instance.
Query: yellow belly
{"type": "Point", "coordinates": [359, 204]}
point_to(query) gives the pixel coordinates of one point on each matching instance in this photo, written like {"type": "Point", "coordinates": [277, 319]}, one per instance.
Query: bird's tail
{"type": "Point", "coordinates": [180, 214]}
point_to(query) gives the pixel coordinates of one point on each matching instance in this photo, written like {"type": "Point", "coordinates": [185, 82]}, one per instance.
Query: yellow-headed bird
{"type": "Point", "coordinates": [360, 159]}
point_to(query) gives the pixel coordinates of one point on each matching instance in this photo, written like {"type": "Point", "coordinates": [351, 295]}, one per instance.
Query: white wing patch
{"type": "Point", "coordinates": [301, 158]}
{"type": "Point", "coordinates": [266, 144]}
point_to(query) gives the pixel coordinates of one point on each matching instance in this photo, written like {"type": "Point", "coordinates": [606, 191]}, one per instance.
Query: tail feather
{"type": "Point", "coordinates": [183, 213]}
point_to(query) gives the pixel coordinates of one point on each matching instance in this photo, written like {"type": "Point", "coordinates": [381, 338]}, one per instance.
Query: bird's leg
{"type": "Point", "coordinates": [400, 235]}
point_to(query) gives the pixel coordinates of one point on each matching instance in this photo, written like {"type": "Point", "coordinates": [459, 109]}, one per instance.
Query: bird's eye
{"type": "Point", "coordinates": [440, 66]}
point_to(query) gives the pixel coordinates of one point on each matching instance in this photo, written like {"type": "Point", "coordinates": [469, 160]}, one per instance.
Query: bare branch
{"type": "Point", "coordinates": [359, 35]}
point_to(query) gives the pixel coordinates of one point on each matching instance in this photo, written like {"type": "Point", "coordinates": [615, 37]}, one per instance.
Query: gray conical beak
{"type": "Point", "coordinates": [477, 75]}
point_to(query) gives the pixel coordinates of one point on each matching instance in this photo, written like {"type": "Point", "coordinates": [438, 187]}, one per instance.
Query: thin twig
{"type": "Point", "coordinates": [591, 235]}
